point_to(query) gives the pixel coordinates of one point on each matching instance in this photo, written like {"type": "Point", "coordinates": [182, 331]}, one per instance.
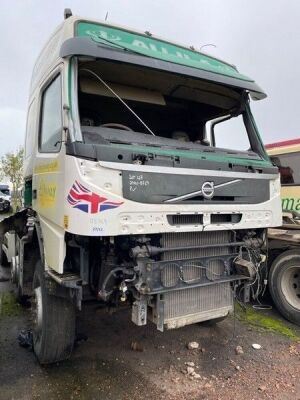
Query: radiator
{"type": "Point", "coordinates": [190, 305]}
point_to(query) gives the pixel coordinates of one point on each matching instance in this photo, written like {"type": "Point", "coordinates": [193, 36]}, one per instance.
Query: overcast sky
{"type": "Point", "coordinates": [260, 37]}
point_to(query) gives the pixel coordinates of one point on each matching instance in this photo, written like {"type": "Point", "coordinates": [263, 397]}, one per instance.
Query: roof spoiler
{"type": "Point", "coordinates": [83, 46]}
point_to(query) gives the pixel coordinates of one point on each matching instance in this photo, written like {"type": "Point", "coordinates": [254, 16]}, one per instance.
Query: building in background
{"type": "Point", "coordinates": [286, 155]}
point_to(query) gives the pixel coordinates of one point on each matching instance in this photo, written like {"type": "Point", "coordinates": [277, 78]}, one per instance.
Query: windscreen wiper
{"type": "Point", "coordinates": [118, 97]}
{"type": "Point", "coordinates": [119, 46]}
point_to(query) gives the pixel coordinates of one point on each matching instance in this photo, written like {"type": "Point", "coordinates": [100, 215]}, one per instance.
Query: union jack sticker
{"type": "Point", "coordinates": [87, 201]}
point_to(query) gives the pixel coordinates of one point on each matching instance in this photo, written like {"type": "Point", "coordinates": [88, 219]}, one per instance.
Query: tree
{"type": "Point", "coordinates": [12, 168]}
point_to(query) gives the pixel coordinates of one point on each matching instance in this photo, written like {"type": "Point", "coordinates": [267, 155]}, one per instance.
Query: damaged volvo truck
{"type": "Point", "coordinates": [146, 183]}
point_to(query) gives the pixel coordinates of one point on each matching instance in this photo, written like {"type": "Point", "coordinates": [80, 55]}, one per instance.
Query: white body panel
{"type": "Point", "coordinates": [54, 178]}
{"type": "Point", "coordinates": [54, 245]}
{"type": "Point", "coordinates": [138, 218]}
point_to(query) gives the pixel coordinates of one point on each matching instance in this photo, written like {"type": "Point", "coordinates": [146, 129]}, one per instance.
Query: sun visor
{"type": "Point", "coordinates": [91, 86]}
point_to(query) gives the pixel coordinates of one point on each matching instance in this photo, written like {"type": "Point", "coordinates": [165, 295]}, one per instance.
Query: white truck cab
{"type": "Point", "coordinates": [146, 183]}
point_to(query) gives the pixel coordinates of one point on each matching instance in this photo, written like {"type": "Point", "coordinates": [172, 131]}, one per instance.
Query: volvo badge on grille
{"type": "Point", "coordinates": [208, 190]}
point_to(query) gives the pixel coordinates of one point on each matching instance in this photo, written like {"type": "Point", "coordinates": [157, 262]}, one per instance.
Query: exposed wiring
{"type": "Point", "coordinates": [113, 272]}
{"type": "Point", "coordinates": [180, 272]}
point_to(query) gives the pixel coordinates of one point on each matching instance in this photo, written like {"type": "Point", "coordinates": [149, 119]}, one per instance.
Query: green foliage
{"type": "Point", "coordinates": [8, 304]}
{"type": "Point", "coordinates": [265, 320]}
{"type": "Point", "coordinates": [11, 167]}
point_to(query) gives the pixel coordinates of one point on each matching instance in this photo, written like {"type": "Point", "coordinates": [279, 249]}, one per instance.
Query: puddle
{"type": "Point", "coordinates": [8, 304]}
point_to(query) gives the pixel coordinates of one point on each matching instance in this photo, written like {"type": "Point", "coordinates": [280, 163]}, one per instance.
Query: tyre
{"type": "Point", "coordinates": [284, 284]}
{"type": "Point", "coordinates": [15, 279]}
{"type": "Point", "coordinates": [22, 276]}
{"type": "Point", "coordinates": [54, 322]}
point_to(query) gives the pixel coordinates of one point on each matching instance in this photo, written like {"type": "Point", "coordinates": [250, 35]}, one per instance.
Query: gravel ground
{"type": "Point", "coordinates": [105, 367]}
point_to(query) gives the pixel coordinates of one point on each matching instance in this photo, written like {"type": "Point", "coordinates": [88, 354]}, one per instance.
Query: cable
{"type": "Point", "coordinates": [262, 307]}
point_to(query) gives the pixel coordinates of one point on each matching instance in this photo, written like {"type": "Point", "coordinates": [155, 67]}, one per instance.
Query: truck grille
{"type": "Point", "coordinates": [197, 300]}
{"type": "Point", "coordinates": [195, 304]}
{"type": "Point", "coordinates": [183, 239]}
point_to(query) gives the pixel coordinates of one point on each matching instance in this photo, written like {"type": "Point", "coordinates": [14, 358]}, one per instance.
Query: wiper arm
{"type": "Point", "coordinates": [118, 97]}
{"type": "Point", "coordinates": [119, 46]}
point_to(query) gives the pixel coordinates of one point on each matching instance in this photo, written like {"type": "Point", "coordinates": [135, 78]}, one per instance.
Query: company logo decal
{"type": "Point", "coordinates": [46, 195]}
{"type": "Point", "coordinates": [208, 190]}
{"type": "Point", "coordinates": [82, 198]}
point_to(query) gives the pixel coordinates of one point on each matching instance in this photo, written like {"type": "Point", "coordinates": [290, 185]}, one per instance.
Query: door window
{"type": "Point", "coordinates": [51, 118]}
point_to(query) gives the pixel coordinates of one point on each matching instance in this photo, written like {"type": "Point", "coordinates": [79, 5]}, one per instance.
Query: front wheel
{"type": "Point", "coordinates": [54, 322]}
{"type": "Point", "coordinates": [284, 284]}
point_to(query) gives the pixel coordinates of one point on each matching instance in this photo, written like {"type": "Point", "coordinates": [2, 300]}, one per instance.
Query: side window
{"type": "Point", "coordinates": [51, 118]}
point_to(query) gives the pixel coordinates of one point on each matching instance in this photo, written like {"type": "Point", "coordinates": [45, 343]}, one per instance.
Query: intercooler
{"type": "Point", "coordinates": [212, 299]}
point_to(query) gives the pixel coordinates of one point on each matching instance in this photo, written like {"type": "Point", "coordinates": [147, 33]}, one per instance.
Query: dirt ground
{"type": "Point", "coordinates": [105, 367]}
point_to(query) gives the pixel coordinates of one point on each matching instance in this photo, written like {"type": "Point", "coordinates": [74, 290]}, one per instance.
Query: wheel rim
{"type": "Point", "coordinates": [290, 286]}
{"type": "Point", "coordinates": [38, 311]}
{"type": "Point", "coordinates": [14, 269]}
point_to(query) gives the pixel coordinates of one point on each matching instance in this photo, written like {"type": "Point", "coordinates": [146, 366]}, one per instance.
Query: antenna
{"type": "Point", "coordinates": [67, 13]}
{"type": "Point", "coordinates": [106, 16]}
{"type": "Point", "coordinates": [208, 44]}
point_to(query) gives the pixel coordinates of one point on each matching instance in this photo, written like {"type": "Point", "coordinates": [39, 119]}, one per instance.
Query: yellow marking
{"type": "Point", "coordinates": [46, 194]}
{"type": "Point", "coordinates": [290, 197]}
{"type": "Point", "coordinates": [291, 148]}
{"type": "Point", "coordinates": [66, 221]}
{"type": "Point", "coordinates": [44, 168]}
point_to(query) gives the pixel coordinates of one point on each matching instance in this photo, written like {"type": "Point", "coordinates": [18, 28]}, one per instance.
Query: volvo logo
{"type": "Point", "coordinates": [208, 190]}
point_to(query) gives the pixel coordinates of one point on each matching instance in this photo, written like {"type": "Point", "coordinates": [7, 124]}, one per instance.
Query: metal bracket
{"type": "Point", "coordinates": [66, 285]}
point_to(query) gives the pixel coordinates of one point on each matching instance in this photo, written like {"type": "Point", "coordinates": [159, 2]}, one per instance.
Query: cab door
{"type": "Point", "coordinates": [48, 171]}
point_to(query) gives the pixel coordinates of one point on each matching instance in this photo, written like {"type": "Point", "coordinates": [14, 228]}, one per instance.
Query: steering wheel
{"type": "Point", "coordinates": [117, 126]}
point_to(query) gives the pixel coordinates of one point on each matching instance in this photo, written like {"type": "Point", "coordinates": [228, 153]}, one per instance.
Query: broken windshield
{"type": "Point", "coordinates": [134, 105]}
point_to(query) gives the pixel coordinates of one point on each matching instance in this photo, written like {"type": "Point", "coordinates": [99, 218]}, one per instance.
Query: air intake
{"type": "Point", "coordinates": [185, 219]}
{"type": "Point", "coordinates": [225, 218]}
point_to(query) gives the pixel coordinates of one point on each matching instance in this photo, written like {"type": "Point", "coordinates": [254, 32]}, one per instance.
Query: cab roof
{"type": "Point", "coordinates": [77, 36]}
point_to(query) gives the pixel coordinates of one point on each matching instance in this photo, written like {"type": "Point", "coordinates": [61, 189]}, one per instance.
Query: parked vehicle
{"type": "Point", "coordinates": [5, 191]}
{"type": "Point", "coordinates": [5, 198]}
{"type": "Point", "coordinates": [146, 183]}
{"type": "Point", "coordinates": [4, 203]}
{"type": "Point", "coordinates": [286, 155]}
{"type": "Point", "coordinates": [284, 242]}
